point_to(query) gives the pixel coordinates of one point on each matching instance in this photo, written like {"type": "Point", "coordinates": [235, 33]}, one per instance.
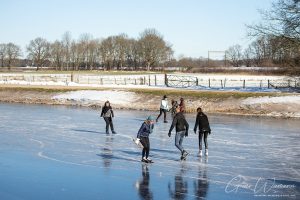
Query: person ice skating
{"type": "Point", "coordinates": [182, 127]}
{"type": "Point", "coordinates": [182, 105]}
{"type": "Point", "coordinates": [204, 129]}
{"type": "Point", "coordinates": [107, 114]}
{"type": "Point", "coordinates": [143, 135]}
{"type": "Point", "coordinates": [164, 108]}
{"type": "Point", "coordinates": [173, 108]}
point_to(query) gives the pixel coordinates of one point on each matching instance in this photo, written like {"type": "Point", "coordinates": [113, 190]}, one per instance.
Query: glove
{"type": "Point", "coordinates": [209, 132]}
{"type": "Point", "coordinates": [137, 140]}
{"type": "Point", "coordinates": [186, 133]}
{"type": "Point", "coordinates": [169, 134]}
{"type": "Point", "coordinates": [195, 131]}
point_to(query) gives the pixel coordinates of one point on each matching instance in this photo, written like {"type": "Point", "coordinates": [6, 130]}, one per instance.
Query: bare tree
{"type": "Point", "coordinates": [2, 53]}
{"type": "Point", "coordinates": [282, 22]}
{"type": "Point", "coordinates": [57, 54]}
{"type": "Point", "coordinates": [13, 52]}
{"type": "Point", "coordinates": [154, 49]}
{"type": "Point", "coordinates": [234, 55]}
{"type": "Point", "coordinates": [39, 51]}
{"type": "Point", "coordinates": [66, 42]}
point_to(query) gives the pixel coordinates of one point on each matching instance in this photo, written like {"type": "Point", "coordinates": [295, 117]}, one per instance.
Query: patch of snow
{"type": "Point", "coordinates": [117, 97]}
{"type": "Point", "coordinates": [292, 99]}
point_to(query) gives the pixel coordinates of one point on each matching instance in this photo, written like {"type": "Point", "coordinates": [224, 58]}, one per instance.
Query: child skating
{"type": "Point", "coordinates": [107, 114]}
{"type": "Point", "coordinates": [143, 135]}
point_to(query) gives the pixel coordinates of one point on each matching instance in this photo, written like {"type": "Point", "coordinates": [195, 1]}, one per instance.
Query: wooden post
{"type": "Point", "coordinates": [260, 85]}
{"type": "Point", "coordinates": [166, 80]}
{"type": "Point", "coordinates": [209, 82]}
{"type": "Point", "coordinates": [155, 80]}
{"type": "Point", "coordinates": [289, 83]}
{"type": "Point", "coordinates": [268, 84]}
{"type": "Point", "coordinates": [72, 76]}
{"type": "Point", "coordinates": [221, 83]}
{"type": "Point", "coordinates": [244, 84]}
{"type": "Point", "coordinates": [144, 80]}
{"type": "Point", "coordinates": [197, 82]}
{"type": "Point", "coordinates": [149, 80]}
{"type": "Point", "coordinates": [125, 81]}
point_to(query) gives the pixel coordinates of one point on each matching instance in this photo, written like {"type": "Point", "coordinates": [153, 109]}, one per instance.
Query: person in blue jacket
{"type": "Point", "coordinates": [143, 135]}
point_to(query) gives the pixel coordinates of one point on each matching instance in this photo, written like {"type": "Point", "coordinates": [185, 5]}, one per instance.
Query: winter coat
{"type": "Point", "coordinates": [107, 111]}
{"type": "Point", "coordinates": [145, 130]}
{"type": "Point", "coordinates": [180, 123]}
{"type": "Point", "coordinates": [202, 123]}
{"type": "Point", "coordinates": [164, 105]}
{"type": "Point", "coordinates": [182, 106]}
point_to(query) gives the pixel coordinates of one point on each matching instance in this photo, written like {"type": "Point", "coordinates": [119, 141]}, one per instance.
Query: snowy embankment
{"type": "Point", "coordinates": [90, 96]}
{"type": "Point", "coordinates": [281, 106]}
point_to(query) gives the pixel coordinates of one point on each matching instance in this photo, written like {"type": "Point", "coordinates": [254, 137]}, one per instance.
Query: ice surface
{"type": "Point", "coordinates": [57, 152]}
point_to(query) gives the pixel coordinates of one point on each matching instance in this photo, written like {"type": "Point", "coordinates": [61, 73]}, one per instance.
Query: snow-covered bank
{"type": "Point", "coordinates": [117, 97]}
{"type": "Point", "coordinates": [212, 102]}
{"type": "Point", "coordinates": [293, 99]}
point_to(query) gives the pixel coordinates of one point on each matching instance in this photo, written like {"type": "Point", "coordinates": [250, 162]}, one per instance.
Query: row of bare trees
{"type": "Point", "coordinates": [9, 53]}
{"type": "Point", "coordinates": [277, 38]}
{"type": "Point", "coordinates": [150, 50]}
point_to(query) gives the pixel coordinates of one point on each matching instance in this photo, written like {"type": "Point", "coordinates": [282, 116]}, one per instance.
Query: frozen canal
{"type": "Point", "coordinates": [49, 152]}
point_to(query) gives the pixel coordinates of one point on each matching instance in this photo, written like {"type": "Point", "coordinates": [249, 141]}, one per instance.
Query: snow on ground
{"type": "Point", "coordinates": [118, 97]}
{"type": "Point", "coordinates": [292, 99]}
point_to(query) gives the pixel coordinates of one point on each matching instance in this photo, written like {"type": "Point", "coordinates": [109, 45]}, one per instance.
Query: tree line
{"type": "Point", "coordinates": [118, 52]}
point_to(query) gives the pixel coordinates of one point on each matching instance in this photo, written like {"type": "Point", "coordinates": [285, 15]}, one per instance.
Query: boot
{"type": "Point", "coordinates": [200, 153]}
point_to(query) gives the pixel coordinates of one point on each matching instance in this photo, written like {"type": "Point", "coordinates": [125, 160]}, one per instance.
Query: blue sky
{"type": "Point", "coordinates": [192, 26]}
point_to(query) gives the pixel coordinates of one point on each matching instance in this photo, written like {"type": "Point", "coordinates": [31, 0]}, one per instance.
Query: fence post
{"type": "Point", "coordinates": [166, 80]}
{"type": "Point", "coordinates": [149, 80]}
{"type": "Point", "coordinates": [244, 84]}
{"type": "Point", "coordinates": [295, 84]}
{"type": "Point", "coordinates": [224, 82]}
{"type": "Point", "coordinates": [209, 82]}
{"type": "Point", "coordinates": [289, 83]}
{"type": "Point", "coordinates": [221, 83]}
{"type": "Point", "coordinates": [260, 85]}
{"type": "Point", "coordinates": [144, 80]}
{"type": "Point", "coordinates": [135, 81]}
{"type": "Point", "coordinates": [125, 81]}
{"type": "Point", "coordinates": [197, 82]}
{"type": "Point", "coordinates": [72, 76]}
{"type": "Point", "coordinates": [155, 80]}
{"type": "Point", "coordinates": [268, 84]}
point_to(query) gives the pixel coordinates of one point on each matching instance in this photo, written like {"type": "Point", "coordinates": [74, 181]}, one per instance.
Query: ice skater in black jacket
{"type": "Point", "coordinates": [204, 129]}
{"type": "Point", "coordinates": [107, 114]}
{"type": "Point", "coordinates": [182, 128]}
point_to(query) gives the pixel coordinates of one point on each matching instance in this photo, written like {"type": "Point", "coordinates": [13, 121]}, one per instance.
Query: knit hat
{"type": "Point", "coordinates": [150, 118]}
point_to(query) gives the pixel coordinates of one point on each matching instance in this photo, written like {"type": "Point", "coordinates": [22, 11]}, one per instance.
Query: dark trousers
{"type": "Point", "coordinates": [108, 121]}
{"type": "Point", "coordinates": [201, 135]}
{"type": "Point", "coordinates": [146, 143]}
{"type": "Point", "coordinates": [165, 114]}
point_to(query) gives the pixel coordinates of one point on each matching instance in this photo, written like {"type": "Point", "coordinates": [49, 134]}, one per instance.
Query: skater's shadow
{"type": "Point", "coordinates": [87, 131]}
